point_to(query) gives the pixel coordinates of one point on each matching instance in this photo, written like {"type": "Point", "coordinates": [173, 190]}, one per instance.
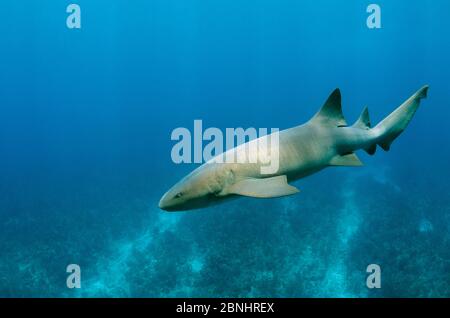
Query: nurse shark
{"type": "Point", "coordinates": [325, 140]}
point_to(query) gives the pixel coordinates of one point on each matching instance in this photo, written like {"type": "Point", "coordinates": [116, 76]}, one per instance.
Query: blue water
{"type": "Point", "coordinates": [85, 123]}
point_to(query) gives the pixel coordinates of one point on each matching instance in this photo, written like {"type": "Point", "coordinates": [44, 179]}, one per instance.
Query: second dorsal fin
{"type": "Point", "coordinates": [331, 111]}
{"type": "Point", "coordinates": [363, 121]}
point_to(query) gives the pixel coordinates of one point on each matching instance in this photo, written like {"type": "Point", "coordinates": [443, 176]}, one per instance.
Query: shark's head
{"type": "Point", "coordinates": [198, 189]}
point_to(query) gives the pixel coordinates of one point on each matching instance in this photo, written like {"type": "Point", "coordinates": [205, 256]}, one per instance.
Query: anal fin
{"type": "Point", "coordinates": [350, 160]}
{"type": "Point", "coordinates": [371, 149]}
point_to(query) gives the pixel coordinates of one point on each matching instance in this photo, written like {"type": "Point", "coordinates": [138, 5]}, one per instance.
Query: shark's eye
{"type": "Point", "coordinates": [179, 195]}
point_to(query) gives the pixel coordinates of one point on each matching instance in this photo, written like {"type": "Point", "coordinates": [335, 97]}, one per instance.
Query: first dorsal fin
{"type": "Point", "coordinates": [331, 111]}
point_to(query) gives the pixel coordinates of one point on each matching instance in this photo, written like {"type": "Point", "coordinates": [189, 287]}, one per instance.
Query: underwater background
{"type": "Point", "coordinates": [85, 123]}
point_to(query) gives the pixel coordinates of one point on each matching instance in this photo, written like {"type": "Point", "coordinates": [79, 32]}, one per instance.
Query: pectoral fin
{"type": "Point", "coordinates": [263, 188]}
{"type": "Point", "coordinates": [347, 160]}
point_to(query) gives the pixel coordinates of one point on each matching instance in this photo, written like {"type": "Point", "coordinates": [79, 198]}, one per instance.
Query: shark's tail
{"type": "Point", "coordinates": [394, 124]}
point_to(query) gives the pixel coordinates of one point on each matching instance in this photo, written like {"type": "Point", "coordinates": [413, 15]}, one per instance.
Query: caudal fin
{"type": "Point", "coordinates": [394, 124]}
